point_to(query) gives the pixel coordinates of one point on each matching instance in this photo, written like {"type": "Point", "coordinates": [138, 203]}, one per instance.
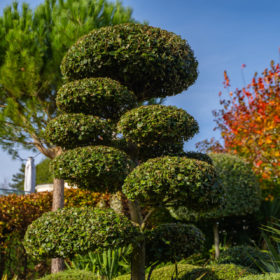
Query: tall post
{"type": "Point", "coordinates": [30, 176]}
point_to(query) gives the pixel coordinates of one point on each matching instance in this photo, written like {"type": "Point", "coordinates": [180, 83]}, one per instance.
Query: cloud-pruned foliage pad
{"type": "Point", "coordinates": [98, 168]}
{"type": "Point", "coordinates": [74, 130]}
{"type": "Point", "coordinates": [173, 242]}
{"type": "Point", "coordinates": [173, 181]}
{"type": "Point", "coordinates": [157, 124]}
{"type": "Point", "coordinates": [149, 61]}
{"type": "Point", "coordinates": [71, 231]}
{"type": "Point", "coordinates": [101, 97]}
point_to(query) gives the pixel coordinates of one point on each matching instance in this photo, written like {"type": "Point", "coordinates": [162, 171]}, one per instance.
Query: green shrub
{"type": "Point", "coordinates": [190, 272]}
{"type": "Point", "coordinates": [101, 97]}
{"type": "Point", "coordinates": [267, 276]}
{"type": "Point", "coordinates": [87, 229]}
{"type": "Point", "coordinates": [243, 255]}
{"type": "Point", "coordinates": [74, 130]}
{"type": "Point", "coordinates": [242, 192]}
{"type": "Point", "coordinates": [149, 61]}
{"type": "Point", "coordinates": [98, 168]}
{"type": "Point", "coordinates": [173, 242]}
{"type": "Point", "coordinates": [71, 275]}
{"type": "Point", "coordinates": [240, 186]}
{"type": "Point", "coordinates": [183, 181]}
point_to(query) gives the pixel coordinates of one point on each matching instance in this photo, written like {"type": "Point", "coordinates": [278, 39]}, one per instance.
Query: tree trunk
{"type": "Point", "coordinates": [216, 239]}
{"type": "Point", "coordinates": [58, 194]}
{"type": "Point", "coordinates": [138, 262]}
{"type": "Point", "coordinates": [57, 265]}
{"type": "Point", "coordinates": [58, 202]}
{"type": "Point", "coordinates": [138, 253]}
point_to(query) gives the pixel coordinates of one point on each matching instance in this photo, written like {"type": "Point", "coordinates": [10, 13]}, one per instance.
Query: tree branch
{"type": "Point", "coordinates": [146, 218]}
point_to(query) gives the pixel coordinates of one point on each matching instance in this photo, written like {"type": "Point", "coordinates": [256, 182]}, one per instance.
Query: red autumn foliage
{"type": "Point", "coordinates": [250, 122]}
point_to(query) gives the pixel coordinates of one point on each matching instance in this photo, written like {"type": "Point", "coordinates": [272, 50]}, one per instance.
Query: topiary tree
{"type": "Point", "coordinates": [112, 145]}
{"type": "Point", "coordinates": [242, 193]}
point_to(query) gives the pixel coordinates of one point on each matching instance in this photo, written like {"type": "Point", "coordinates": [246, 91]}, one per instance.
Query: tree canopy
{"type": "Point", "coordinates": [32, 45]}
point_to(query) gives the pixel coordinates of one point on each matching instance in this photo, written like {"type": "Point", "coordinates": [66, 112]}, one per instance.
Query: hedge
{"type": "Point", "coordinates": [74, 130]}
{"type": "Point", "coordinates": [219, 272]}
{"type": "Point", "coordinates": [98, 168]}
{"type": "Point", "coordinates": [267, 276]}
{"type": "Point", "coordinates": [174, 181]}
{"type": "Point", "coordinates": [164, 273]}
{"type": "Point", "coordinates": [149, 61]}
{"type": "Point", "coordinates": [190, 272]}
{"type": "Point", "coordinates": [101, 97]}
{"type": "Point", "coordinates": [71, 231]}
{"type": "Point", "coordinates": [71, 275]}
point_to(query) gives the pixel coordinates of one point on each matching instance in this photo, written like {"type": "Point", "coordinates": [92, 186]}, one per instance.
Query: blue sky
{"type": "Point", "coordinates": [224, 34]}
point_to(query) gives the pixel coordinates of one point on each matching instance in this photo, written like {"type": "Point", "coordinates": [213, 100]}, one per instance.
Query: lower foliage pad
{"type": "Point", "coordinates": [71, 231]}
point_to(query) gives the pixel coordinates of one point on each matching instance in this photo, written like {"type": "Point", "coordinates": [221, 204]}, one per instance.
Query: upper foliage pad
{"type": "Point", "coordinates": [101, 97]}
{"type": "Point", "coordinates": [98, 168]}
{"type": "Point", "coordinates": [149, 61]}
{"type": "Point", "coordinates": [71, 231]}
{"type": "Point", "coordinates": [74, 130]}
{"type": "Point", "coordinates": [155, 125]}
{"type": "Point", "coordinates": [174, 181]}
